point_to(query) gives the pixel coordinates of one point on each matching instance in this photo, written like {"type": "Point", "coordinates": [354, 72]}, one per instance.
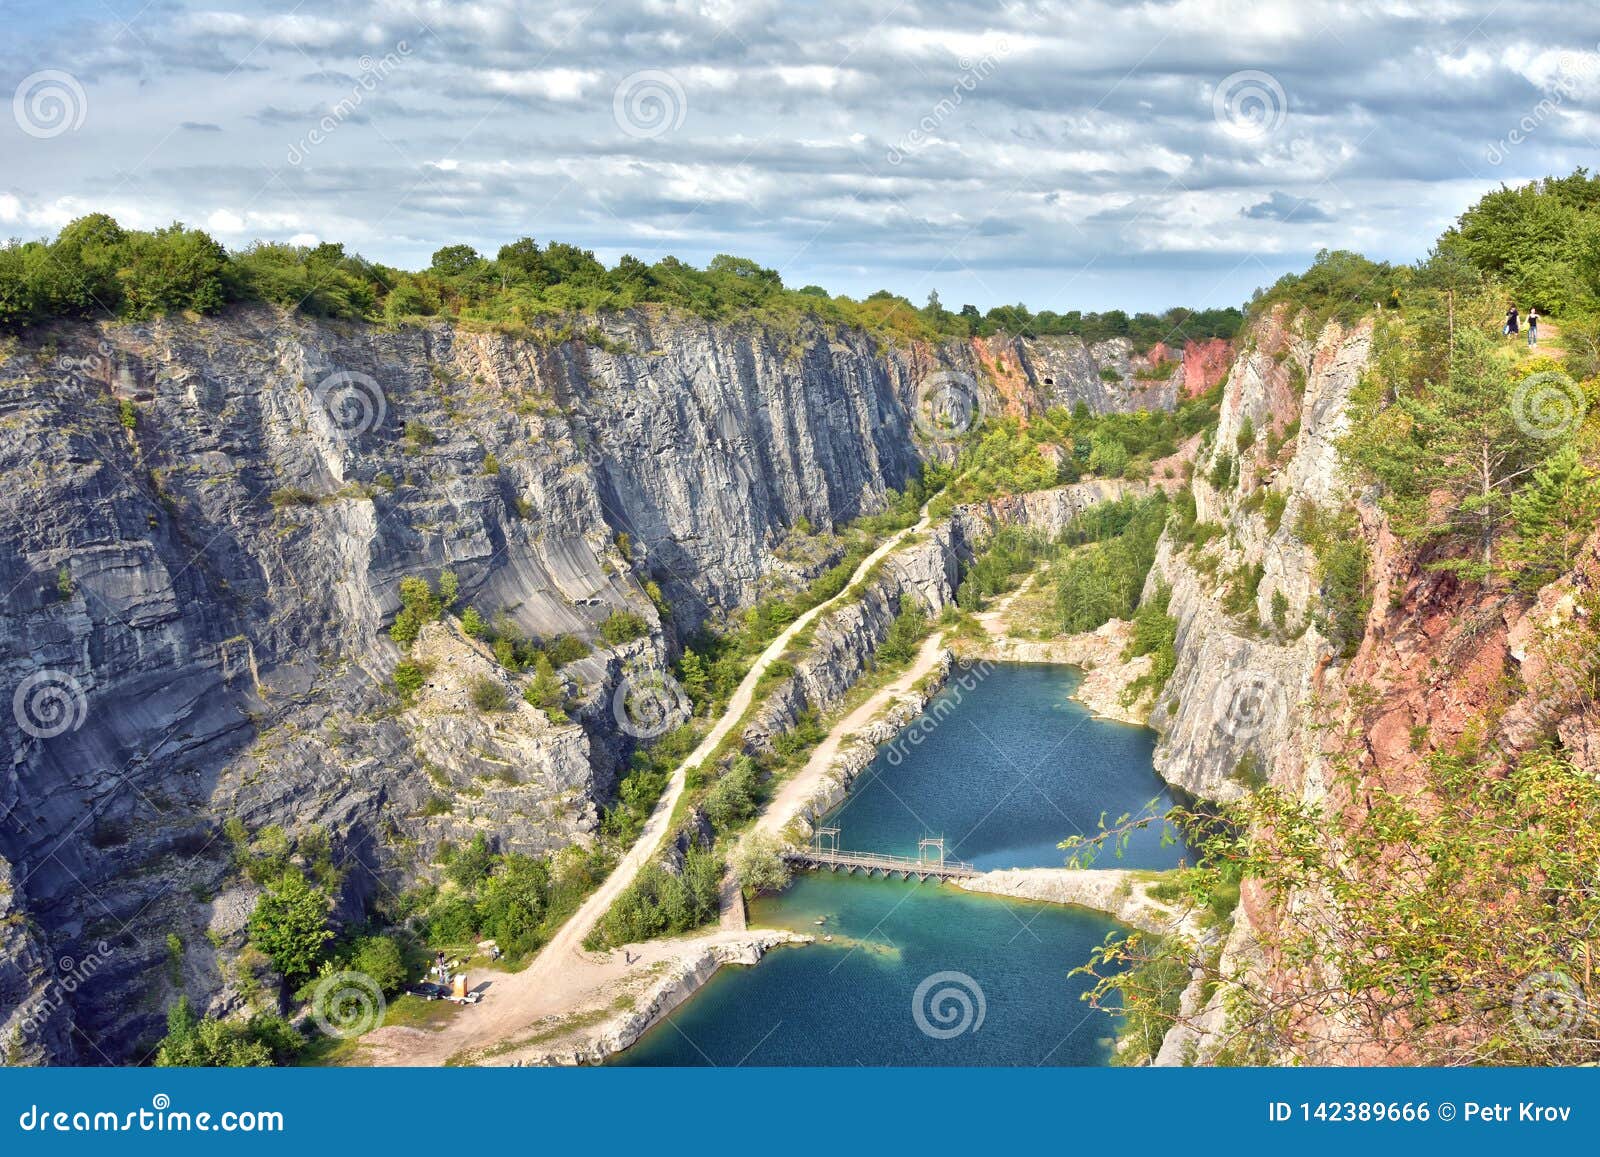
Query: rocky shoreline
{"type": "Point", "coordinates": [672, 982]}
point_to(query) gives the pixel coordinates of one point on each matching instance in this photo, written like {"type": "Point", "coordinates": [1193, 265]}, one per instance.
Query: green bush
{"type": "Point", "coordinates": [380, 958]}
{"type": "Point", "coordinates": [290, 925]}
{"type": "Point", "coordinates": [733, 798]}
{"type": "Point", "coordinates": [623, 627]}
{"type": "Point", "coordinates": [409, 677]}
{"type": "Point", "coordinates": [488, 694]}
{"type": "Point", "coordinates": [262, 1041]}
{"type": "Point", "coordinates": [661, 902]}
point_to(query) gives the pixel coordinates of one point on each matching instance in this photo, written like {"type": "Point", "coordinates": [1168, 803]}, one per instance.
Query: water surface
{"type": "Point", "coordinates": [1009, 772]}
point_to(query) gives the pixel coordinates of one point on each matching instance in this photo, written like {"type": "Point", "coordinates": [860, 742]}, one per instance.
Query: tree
{"type": "Point", "coordinates": [1449, 456]}
{"type": "Point", "coordinates": [759, 865]}
{"type": "Point", "coordinates": [733, 798]}
{"type": "Point", "coordinates": [472, 624]}
{"type": "Point", "coordinates": [546, 691]}
{"type": "Point", "coordinates": [290, 925]}
{"type": "Point", "coordinates": [380, 958]}
{"type": "Point", "coordinates": [694, 677]}
{"type": "Point", "coordinates": [454, 260]}
{"type": "Point", "coordinates": [513, 903]}
{"type": "Point", "coordinates": [418, 605]}
{"type": "Point", "coordinates": [1553, 515]}
{"type": "Point", "coordinates": [191, 1042]}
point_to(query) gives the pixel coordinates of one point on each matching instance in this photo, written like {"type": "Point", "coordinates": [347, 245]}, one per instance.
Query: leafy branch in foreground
{"type": "Point", "coordinates": [1456, 926]}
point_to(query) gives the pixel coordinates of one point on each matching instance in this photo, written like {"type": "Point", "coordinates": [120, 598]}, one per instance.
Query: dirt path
{"type": "Point", "coordinates": [798, 789]}
{"type": "Point", "coordinates": [564, 978]}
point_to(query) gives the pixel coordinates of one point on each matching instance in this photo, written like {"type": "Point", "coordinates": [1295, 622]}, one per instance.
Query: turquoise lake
{"type": "Point", "coordinates": [1010, 770]}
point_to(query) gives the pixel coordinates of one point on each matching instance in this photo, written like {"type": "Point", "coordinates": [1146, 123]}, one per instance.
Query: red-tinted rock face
{"type": "Point", "coordinates": [1205, 363]}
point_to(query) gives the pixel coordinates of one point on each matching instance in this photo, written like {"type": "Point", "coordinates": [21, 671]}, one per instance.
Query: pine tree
{"type": "Point", "coordinates": [545, 692]}
{"type": "Point", "coordinates": [1553, 514]}
{"type": "Point", "coordinates": [1450, 457]}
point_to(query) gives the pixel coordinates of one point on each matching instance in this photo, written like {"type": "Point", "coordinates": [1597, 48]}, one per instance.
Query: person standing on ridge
{"type": "Point", "coordinates": [1511, 322]}
{"type": "Point", "coordinates": [1533, 327]}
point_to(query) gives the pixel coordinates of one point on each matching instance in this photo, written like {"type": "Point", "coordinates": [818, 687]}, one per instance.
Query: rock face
{"type": "Point", "coordinates": [206, 525]}
{"type": "Point", "coordinates": [1233, 712]}
{"type": "Point", "coordinates": [1031, 374]}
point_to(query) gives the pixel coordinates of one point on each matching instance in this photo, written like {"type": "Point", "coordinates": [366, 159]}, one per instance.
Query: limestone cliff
{"type": "Point", "coordinates": [206, 526]}
{"type": "Point", "coordinates": [1234, 710]}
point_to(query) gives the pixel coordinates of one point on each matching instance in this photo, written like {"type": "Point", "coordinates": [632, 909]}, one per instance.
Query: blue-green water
{"type": "Point", "coordinates": [1011, 769]}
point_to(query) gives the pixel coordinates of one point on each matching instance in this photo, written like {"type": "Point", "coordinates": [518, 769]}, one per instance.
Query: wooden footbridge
{"type": "Point", "coordinates": [928, 864]}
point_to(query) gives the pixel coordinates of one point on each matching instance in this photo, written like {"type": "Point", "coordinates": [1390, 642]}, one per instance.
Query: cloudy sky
{"type": "Point", "coordinates": [1070, 155]}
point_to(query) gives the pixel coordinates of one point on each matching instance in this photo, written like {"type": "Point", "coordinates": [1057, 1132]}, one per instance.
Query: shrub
{"type": "Point", "coordinates": [488, 694]}
{"type": "Point", "coordinates": [262, 1041]}
{"type": "Point", "coordinates": [545, 691]}
{"type": "Point", "coordinates": [472, 624]}
{"type": "Point", "coordinates": [622, 627]}
{"type": "Point", "coordinates": [291, 496]}
{"type": "Point", "coordinates": [418, 605]}
{"type": "Point", "coordinates": [409, 677]}
{"type": "Point", "coordinates": [759, 865]}
{"type": "Point", "coordinates": [905, 634]}
{"type": "Point", "coordinates": [564, 649]}
{"type": "Point", "coordinates": [380, 958]}
{"type": "Point", "coordinates": [732, 800]}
